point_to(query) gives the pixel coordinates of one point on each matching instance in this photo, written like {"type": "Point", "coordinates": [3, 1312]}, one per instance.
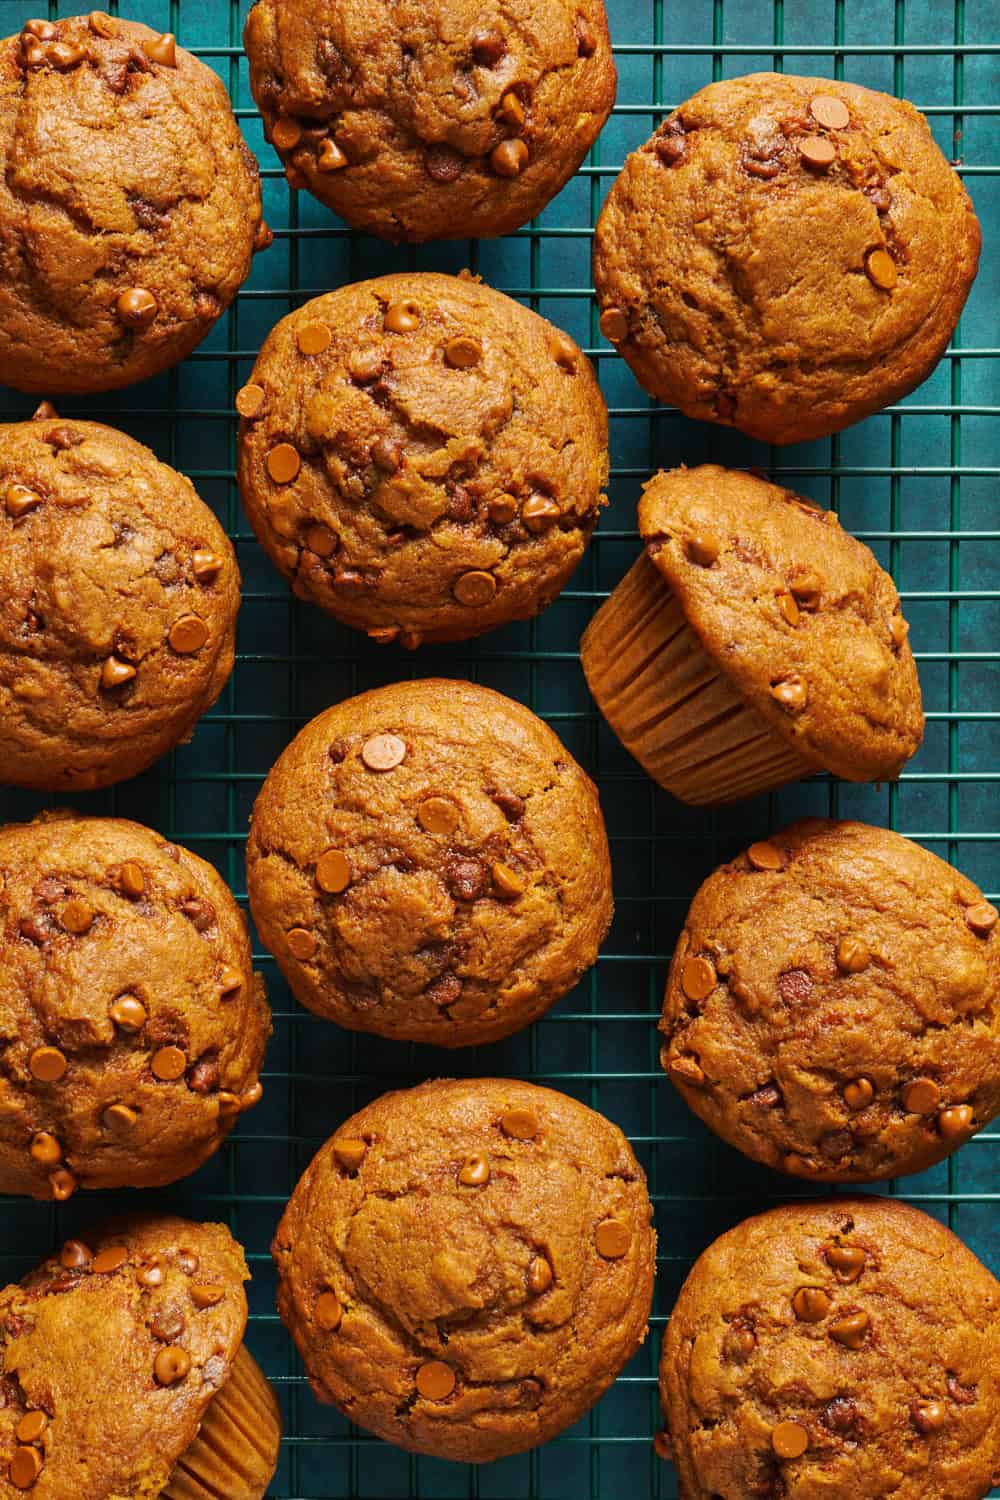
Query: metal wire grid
{"type": "Point", "coordinates": [918, 483]}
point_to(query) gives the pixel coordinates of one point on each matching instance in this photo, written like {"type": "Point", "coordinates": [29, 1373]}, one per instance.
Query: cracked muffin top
{"type": "Point", "coordinates": [431, 119]}
{"type": "Point", "coordinates": [467, 1265]}
{"type": "Point", "coordinates": [118, 599]}
{"type": "Point", "coordinates": [843, 1348]}
{"type": "Point", "coordinates": [785, 255]}
{"type": "Point", "coordinates": [795, 611]}
{"type": "Point", "coordinates": [110, 1352]}
{"type": "Point", "coordinates": [422, 457]}
{"type": "Point", "coordinates": [129, 204]}
{"type": "Point", "coordinates": [427, 861]}
{"type": "Point", "coordinates": [832, 1004]}
{"type": "Point", "coordinates": [132, 1025]}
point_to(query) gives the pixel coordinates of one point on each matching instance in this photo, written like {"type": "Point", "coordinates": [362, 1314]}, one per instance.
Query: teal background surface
{"type": "Point", "coordinates": [918, 482]}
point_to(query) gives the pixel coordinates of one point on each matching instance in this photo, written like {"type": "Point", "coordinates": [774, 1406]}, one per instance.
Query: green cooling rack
{"type": "Point", "coordinates": [918, 482]}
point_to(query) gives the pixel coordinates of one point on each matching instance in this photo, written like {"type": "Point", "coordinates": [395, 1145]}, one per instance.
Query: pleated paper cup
{"type": "Point", "coordinates": [235, 1453]}
{"type": "Point", "coordinates": [669, 704]}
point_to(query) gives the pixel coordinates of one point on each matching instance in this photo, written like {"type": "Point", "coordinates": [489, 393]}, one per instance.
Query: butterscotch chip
{"type": "Point", "coordinates": [811, 1304]}
{"type": "Point", "coordinates": [31, 1426]}
{"type": "Point", "coordinates": [475, 588]}
{"type": "Point", "coordinates": [866, 1064]}
{"type": "Point", "coordinates": [47, 1064]}
{"type": "Point", "coordinates": [204, 1294]}
{"type": "Point", "coordinates": [789, 1439]}
{"type": "Point", "coordinates": [881, 269]}
{"type": "Point", "coordinates": [847, 1260]}
{"type": "Point", "coordinates": [171, 1365]}
{"type": "Point", "coordinates": [428, 465]}
{"type": "Point", "coordinates": [188, 634]}
{"type": "Point", "coordinates": [922, 1096]}
{"type": "Point", "coordinates": [704, 550]}
{"type": "Point", "coordinates": [407, 184]}
{"type": "Point", "coordinates": [788, 608]}
{"type": "Point", "coordinates": [612, 1238]}
{"type": "Point", "coordinates": [131, 881]}
{"type": "Point", "coordinates": [119, 1118]}
{"type": "Point", "coordinates": [63, 1184]}
{"type": "Point", "coordinates": [614, 325]}
{"type": "Point", "coordinates": [77, 916]}
{"type": "Point", "coordinates": [791, 692]}
{"type": "Point", "coordinates": [128, 1013]}
{"type": "Point", "coordinates": [25, 1467]}
{"type": "Point", "coordinates": [328, 1311]}
{"type": "Point", "coordinates": [435, 1380]}
{"type": "Point", "coordinates": [448, 1231]}
{"type": "Point", "coordinates": [685, 1070]}
{"type": "Point", "coordinates": [510, 158]}
{"type": "Point", "coordinates": [46, 1149]}
{"type": "Point", "coordinates": [766, 137]}
{"type": "Point", "coordinates": [302, 944]}
{"type": "Point", "coordinates": [766, 856]}
{"type": "Point", "coordinates": [350, 1151]}
{"type": "Point", "coordinates": [137, 308]}
{"type": "Point", "coordinates": [109, 1259]}
{"type": "Point", "coordinates": [283, 463]}
{"type": "Point", "coordinates": [313, 338]}
{"type": "Point", "coordinates": [74, 1255]}
{"type": "Point", "coordinates": [168, 1063]}
{"type": "Point", "coordinates": [463, 352]}
{"type": "Point", "coordinates": [94, 619]}
{"type": "Point", "coordinates": [331, 157]}
{"type": "Point", "coordinates": [851, 1331]}
{"type": "Point", "coordinates": [333, 872]}
{"type": "Point", "coordinates": [476, 1171]}
{"type": "Point", "coordinates": [519, 1124]}
{"type": "Point", "coordinates": [507, 881]}
{"type": "Point", "coordinates": [383, 752]}
{"type": "Point", "coordinates": [250, 400]}
{"type": "Point", "coordinates": [981, 917]}
{"type": "Point", "coordinates": [928, 1416]}
{"type": "Point", "coordinates": [438, 815]}
{"type": "Point", "coordinates": [162, 50]}
{"type": "Point", "coordinates": [19, 500]}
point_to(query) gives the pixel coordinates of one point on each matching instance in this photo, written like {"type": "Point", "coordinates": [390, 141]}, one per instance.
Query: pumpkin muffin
{"type": "Point", "coordinates": [118, 599]}
{"type": "Point", "coordinates": [845, 1348]}
{"type": "Point", "coordinates": [466, 1266]}
{"type": "Point", "coordinates": [753, 642]}
{"type": "Point", "coordinates": [129, 204]}
{"type": "Point", "coordinates": [422, 457]}
{"type": "Point", "coordinates": [785, 255]}
{"type": "Point", "coordinates": [132, 1025]}
{"type": "Point", "coordinates": [833, 1005]}
{"type": "Point", "coordinates": [431, 119]}
{"type": "Point", "coordinates": [428, 862]}
{"type": "Point", "coordinates": [123, 1371]}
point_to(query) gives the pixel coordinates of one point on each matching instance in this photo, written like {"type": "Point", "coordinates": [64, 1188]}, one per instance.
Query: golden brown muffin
{"type": "Point", "coordinates": [466, 1266]}
{"type": "Point", "coordinates": [785, 255]}
{"type": "Point", "coordinates": [129, 204]}
{"type": "Point", "coordinates": [422, 456]}
{"type": "Point", "coordinates": [123, 1374]}
{"type": "Point", "coordinates": [132, 1025]}
{"type": "Point", "coordinates": [431, 119]}
{"type": "Point", "coordinates": [753, 642]}
{"type": "Point", "coordinates": [118, 599]}
{"type": "Point", "coordinates": [833, 1005]}
{"type": "Point", "coordinates": [844, 1349]}
{"type": "Point", "coordinates": [428, 862]}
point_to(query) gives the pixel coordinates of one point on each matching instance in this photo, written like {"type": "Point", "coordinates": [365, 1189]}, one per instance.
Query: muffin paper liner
{"type": "Point", "coordinates": [669, 704]}
{"type": "Point", "coordinates": [235, 1453]}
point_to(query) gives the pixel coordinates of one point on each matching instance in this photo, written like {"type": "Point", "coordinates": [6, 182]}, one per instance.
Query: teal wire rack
{"type": "Point", "coordinates": [918, 482]}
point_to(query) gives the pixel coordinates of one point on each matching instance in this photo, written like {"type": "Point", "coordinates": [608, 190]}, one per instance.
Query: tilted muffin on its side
{"type": "Point", "coordinates": [785, 255]}
{"type": "Point", "coordinates": [422, 457]}
{"type": "Point", "coordinates": [431, 119]}
{"type": "Point", "coordinates": [118, 599]}
{"type": "Point", "coordinates": [845, 1348]}
{"type": "Point", "coordinates": [124, 1373]}
{"type": "Point", "coordinates": [752, 643]}
{"type": "Point", "coordinates": [428, 862]}
{"type": "Point", "coordinates": [129, 204]}
{"type": "Point", "coordinates": [833, 1005]}
{"type": "Point", "coordinates": [132, 1025]}
{"type": "Point", "coordinates": [466, 1266]}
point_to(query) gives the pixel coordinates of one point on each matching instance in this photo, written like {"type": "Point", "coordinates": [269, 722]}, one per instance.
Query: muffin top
{"type": "Point", "coordinates": [466, 1266]}
{"type": "Point", "coordinates": [118, 599]}
{"type": "Point", "coordinates": [422, 456]}
{"type": "Point", "coordinates": [132, 1025]}
{"type": "Point", "coordinates": [110, 1351]}
{"type": "Point", "coordinates": [785, 255]}
{"type": "Point", "coordinates": [129, 204]}
{"type": "Point", "coordinates": [832, 1005]}
{"type": "Point", "coordinates": [844, 1348]}
{"type": "Point", "coordinates": [431, 119]}
{"type": "Point", "coordinates": [427, 861]}
{"type": "Point", "coordinates": [796, 613]}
